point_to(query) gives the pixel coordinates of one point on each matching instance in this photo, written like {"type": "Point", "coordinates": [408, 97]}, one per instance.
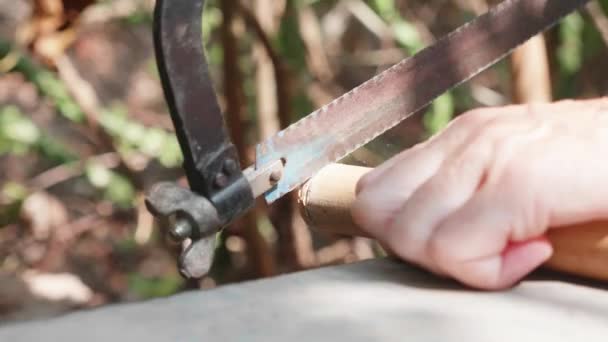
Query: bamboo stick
{"type": "Point", "coordinates": [326, 199]}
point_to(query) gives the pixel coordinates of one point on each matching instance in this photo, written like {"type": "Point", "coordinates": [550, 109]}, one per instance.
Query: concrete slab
{"type": "Point", "coordinates": [376, 300]}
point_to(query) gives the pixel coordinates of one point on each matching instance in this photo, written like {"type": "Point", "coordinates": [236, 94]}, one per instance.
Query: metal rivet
{"type": "Point", "coordinates": [221, 180]}
{"type": "Point", "coordinates": [230, 166]}
{"type": "Point", "coordinates": [181, 230]}
{"type": "Point", "coordinates": [276, 176]}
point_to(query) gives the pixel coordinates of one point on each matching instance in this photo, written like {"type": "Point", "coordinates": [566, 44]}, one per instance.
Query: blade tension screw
{"type": "Point", "coordinates": [275, 176]}
{"type": "Point", "coordinates": [221, 180]}
{"type": "Point", "coordinates": [230, 166]}
{"type": "Point", "coordinates": [180, 231]}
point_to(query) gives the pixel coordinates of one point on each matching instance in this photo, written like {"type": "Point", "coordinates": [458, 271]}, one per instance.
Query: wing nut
{"type": "Point", "coordinates": [192, 220]}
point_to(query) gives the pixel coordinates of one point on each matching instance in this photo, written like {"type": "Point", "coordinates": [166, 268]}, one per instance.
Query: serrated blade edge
{"type": "Point", "coordinates": [359, 116]}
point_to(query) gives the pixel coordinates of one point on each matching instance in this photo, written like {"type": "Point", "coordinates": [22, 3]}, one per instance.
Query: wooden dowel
{"type": "Point", "coordinates": [531, 80]}
{"type": "Point", "coordinates": [326, 199]}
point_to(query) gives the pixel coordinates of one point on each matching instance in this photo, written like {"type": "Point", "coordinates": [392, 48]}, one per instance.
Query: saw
{"type": "Point", "coordinates": [221, 190]}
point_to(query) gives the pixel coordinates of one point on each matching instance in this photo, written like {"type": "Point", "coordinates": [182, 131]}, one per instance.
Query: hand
{"type": "Point", "coordinates": [474, 202]}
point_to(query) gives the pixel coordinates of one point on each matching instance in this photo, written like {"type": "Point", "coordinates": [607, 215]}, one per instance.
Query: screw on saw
{"type": "Point", "coordinates": [277, 173]}
{"type": "Point", "coordinates": [181, 230]}
{"type": "Point", "coordinates": [222, 179]}
{"type": "Point", "coordinates": [275, 176]}
{"type": "Point", "coordinates": [230, 167]}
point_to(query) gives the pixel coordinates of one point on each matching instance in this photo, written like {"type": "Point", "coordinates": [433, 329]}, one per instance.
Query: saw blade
{"type": "Point", "coordinates": [359, 116]}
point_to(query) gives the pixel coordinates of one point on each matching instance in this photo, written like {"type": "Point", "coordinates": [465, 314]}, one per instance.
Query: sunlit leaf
{"type": "Point", "coordinates": [386, 8]}
{"type": "Point", "coordinates": [120, 191]}
{"type": "Point", "coordinates": [133, 132]}
{"type": "Point", "coordinates": [14, 191]}
{"type": "Point", "coordinates": [569, 53]}
{"type": "Point", "coordinates": [113, 121]}
{"type": "Point", "coordinates": [441, 113]}
{"type": "Point", "coordinates": [171, 154]}
{"type": "Point", "coordinates": [16, 127]}
{"type": "Point", "coordinates": [153, 141]}
{"type": "Point", "coordinates": [98, 175]}
{"type": "Point", "coordinates": [407, 35]}
{"type": "Point", "coordinates": [153, 287]}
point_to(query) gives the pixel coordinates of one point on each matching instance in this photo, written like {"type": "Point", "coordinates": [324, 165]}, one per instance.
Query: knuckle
{"type": "Point", "coordinates": [366, 215]}
{"type": "Point", "coordinates": [400, 238]}
{"type": "Point", "coordinates": [361, 212]}
{"type": "Point", "coordinates": [516, 175]}
{"type": "Point", "coordinates": [473, 159]}
{"type": "Point", "coordinates": [363, 182]}
{"type": "Point", "coordinates": [473, 117]}
{"type": "Point", "coordinates": [438, 249]}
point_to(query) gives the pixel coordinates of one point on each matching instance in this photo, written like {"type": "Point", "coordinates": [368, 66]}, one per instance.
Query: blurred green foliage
{"type": "Point", "coordinates": [46, 81]}
{"type": "Point", "coordinates": [20, 135]}
{"type": "Point", "coordinates": [17, 133]}
{"type": "Point", "coordinates": [147, 288]}
{"type": "Point", "coordinates": [114, 186]}
{"type": "Point", "coordinates": [405, 33]}
{"type": "Point", "coordinates": [14, 194]}
{"type": "Point", "coordinates": [576, 43]}
{"type": "Point", "coordinates": [442, 110]}
{"type": "Point", "coordinates": [131, 137]}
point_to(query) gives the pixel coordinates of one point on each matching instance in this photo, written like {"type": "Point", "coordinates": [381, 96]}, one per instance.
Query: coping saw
{"type": "Point", "coordinates": [221, 191]}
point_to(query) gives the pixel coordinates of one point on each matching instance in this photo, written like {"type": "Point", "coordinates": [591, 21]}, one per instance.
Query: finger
{"type": "Point", "coordinates": [476, 244]}
{"type": "Point", "coordinates": [448, 190]}
{"type": "Point", "coordinates": [445, 141]}
{"type": "Point", "coordinates": [503, 269]}
{"type": "Point", "coordinates": [519, 259]}
{"type": "Point", "coordinates": [379, 172]}
{"type": "Point", "coordinates": [376, 204]}
{"type": "Point", "coordinates": [382, 192]}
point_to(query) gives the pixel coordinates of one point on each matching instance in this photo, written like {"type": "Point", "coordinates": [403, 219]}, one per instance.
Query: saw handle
{"type": "Point", "coordinates": [325, 203]}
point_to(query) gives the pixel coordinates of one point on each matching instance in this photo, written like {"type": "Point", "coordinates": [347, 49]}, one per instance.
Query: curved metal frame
{"type": "Point", "coordinates": [211, 162]}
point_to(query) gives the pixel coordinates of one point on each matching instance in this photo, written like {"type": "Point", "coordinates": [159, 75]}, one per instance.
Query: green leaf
{"type": "Point", "coordinates": [440, 114]}
{"type": "Point", "coordinates": [408, 36]}
{"type": "Point", "coordinates": [55, 151]}
{"type": "Point", "coordinates": [386, 8]}
{"type": "Point", "coordinates": [120, 191]}
{"type": "Point", "coordinates": [98, 175]}
{"type": "Point", "coordinates": [153, 287]}
{"type": "Point", "coordinates": [14, 191]}
{"type": "Point", "coordinates": [212, 19]}
{"type": "Point", "coordinates": [17, 128]}
{"type": "Point", "coordinates": [153, 141]}
{"type": "Point", "coordinates": [569, 53]}
{"type": "Point", "coordinates": [133, 133]}
{"type": "Point", "coordinates": [171, 153]}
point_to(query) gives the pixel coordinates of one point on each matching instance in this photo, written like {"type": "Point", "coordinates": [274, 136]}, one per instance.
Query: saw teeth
{"type": "Point", "coordinates": [401, 106]}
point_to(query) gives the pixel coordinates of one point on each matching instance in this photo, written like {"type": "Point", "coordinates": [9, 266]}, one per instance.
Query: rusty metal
{"type": "Point", "coordinates": [199, 123]}
{"type": "Point", "coordinates": [221, 191]}
{"type": "Point", "coordinates": [356, 118]}
{"type": "Point", "coordinates": [265, 178]}
{"type": "Point", "coordinates": [192, 220]}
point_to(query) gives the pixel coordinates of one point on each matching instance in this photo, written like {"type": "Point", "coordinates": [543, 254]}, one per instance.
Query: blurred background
{"type": "Point", "coordinates": [84, 130]}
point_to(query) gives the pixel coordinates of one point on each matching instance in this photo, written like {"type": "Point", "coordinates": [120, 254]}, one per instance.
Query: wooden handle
{"type": "Point", "coordinates": [326, 199]}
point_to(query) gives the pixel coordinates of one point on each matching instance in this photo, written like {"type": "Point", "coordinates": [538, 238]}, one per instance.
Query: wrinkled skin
{"type": "Point", "coordinates": [475, 201]}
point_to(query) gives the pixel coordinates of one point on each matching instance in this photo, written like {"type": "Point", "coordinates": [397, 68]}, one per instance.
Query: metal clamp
{"type": "Point", "coordinates": [192, 220]}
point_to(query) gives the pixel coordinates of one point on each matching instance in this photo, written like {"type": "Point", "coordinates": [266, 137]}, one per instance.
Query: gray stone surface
{"type": "Point", "coordinates": [378, 300]}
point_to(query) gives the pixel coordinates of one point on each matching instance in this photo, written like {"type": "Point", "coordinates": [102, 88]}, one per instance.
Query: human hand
{"type": "Point", "coordinates": [475, 201]}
